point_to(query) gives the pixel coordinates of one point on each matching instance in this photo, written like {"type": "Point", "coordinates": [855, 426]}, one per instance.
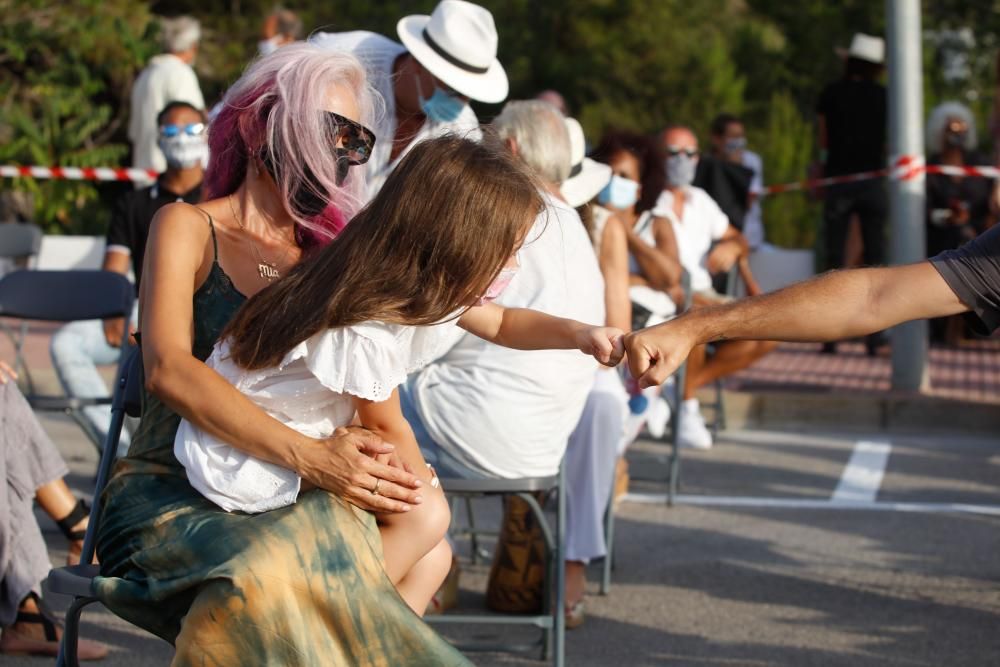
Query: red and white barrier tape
{"type": "Point", "coordinates": [79, 173]}
{"type": "Point", "coordinates": [905, 168]}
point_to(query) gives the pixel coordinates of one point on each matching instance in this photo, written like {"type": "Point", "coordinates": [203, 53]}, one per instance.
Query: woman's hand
{"type": "Point", "coordinates": [6, 373]}
{"type": "Point", "coordinates": [345, 464]}
{"type": "Point", "coordinates": [606, 344]}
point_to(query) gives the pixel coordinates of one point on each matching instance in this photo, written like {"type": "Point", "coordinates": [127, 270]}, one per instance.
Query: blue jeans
{"type": "Point", "coordinates": [77, 349]}
{"type": "Point", "coordinates": [445, 464]}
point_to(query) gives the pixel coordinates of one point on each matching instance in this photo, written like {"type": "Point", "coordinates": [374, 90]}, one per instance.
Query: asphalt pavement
{"type": "Point", "coordinates": [784, 548]}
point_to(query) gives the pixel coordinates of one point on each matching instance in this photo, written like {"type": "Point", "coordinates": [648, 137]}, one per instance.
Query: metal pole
{"type": "Point", "coordinates": [906, 197]}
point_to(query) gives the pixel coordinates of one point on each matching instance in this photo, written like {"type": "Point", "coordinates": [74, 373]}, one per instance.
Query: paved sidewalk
{"type": "Point", "coordinates": [970, 372]}
{"type": "Point", "coordinates": [714, 582]}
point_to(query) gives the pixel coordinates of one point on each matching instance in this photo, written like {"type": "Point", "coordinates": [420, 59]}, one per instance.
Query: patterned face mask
{"type": "Point", "coordinates": [184, 150]}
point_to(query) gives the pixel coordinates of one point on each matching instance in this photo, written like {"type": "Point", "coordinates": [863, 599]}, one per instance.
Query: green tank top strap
{"type": "Point", "coordinates": [215, 242]}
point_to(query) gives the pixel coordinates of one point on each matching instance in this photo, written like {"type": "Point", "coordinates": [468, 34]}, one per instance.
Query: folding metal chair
{"type": "Point", "coordinates": [20, 243]}
{"type": "Point", "coordinates": [65, 296]}
{"type": "Point", "coordinates": [552, 618]}
{"type": "Point", "coordinates": [77, 580]}
{"type": "Point", "coordinates": [718, 406]}
{"type": "Point", "coordinates": [674, 462]}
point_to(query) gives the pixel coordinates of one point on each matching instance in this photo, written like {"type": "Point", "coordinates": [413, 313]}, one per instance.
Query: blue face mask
{"type": "Point", "coordinates": [441, 107]}
{"type": "Point", "coordinates": [620, 193]}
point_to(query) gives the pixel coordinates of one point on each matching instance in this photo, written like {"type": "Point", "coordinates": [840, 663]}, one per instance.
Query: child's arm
{"type": "Point", "coordinates": [386, 420]}
{"type": "Point", "coordinates": [525, 329]}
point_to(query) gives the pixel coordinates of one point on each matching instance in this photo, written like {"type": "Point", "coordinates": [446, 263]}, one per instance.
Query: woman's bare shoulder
{"type": "Point", "coordinates": [180, 225]}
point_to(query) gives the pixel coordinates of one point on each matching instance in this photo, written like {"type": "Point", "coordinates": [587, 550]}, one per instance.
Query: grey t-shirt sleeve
{"type": "Point", "coordinates": [973, 273]}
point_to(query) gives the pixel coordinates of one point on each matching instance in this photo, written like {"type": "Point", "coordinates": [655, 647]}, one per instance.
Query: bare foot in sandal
{"type": "Point", "coordinates": [36, 632]}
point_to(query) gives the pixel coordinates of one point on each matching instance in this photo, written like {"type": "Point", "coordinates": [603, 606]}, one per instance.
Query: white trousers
{"type": "Point", "coordinates": [591, 454]}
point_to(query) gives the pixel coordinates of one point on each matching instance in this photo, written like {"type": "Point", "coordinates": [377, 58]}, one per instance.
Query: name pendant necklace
{"type": "Point", "coordinates": [266, 270]}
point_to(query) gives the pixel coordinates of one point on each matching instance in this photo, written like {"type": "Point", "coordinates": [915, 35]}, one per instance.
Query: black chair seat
{"type": "Point", "coordinates": [73, 580]}
{"type": "Point", "coordinates": [57, 403]}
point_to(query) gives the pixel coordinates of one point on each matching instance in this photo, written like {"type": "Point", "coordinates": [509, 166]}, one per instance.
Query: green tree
{"type": "Point", "coordinates": [65, 74]}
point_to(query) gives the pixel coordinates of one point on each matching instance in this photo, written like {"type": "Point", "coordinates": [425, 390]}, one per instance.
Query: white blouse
{"type": "Point", "coordinates": [311, 391]}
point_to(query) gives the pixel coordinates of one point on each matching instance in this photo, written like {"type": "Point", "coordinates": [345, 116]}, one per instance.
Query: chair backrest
{"type": "Point", "coordinates": [65, 296]}
{"type": "Point", "coordinates": [127, 399]}
{"type": "Point", "coordinates": [19, 240]}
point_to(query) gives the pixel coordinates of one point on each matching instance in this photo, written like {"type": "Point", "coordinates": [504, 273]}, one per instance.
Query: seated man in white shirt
{"type": "Point", "coordinates": [707, 244]}
{"type": "Point", "coordinates": [426, 82]}
{"type": "Point", "coordinates": [486, 411]}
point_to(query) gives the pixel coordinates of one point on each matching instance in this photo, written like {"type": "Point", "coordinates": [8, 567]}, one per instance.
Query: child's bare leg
{"type": "Point", "coordinates": [424, 579]}
{"type": "Point", "coordinates": [415, 559]}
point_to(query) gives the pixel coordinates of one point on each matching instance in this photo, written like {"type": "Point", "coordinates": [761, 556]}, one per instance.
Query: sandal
{"type": "Point", "coordinates": [446, 597]}
{"type": "Point", "coordinates": [574, 615]}
{"type": "Point", "coordinates": [79, 512]}
{"type": "Point", "coordinates": [13, 642]}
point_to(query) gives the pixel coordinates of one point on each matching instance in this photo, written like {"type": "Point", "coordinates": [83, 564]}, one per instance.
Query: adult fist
{"type": "Point", "coordinates": [656, 353]}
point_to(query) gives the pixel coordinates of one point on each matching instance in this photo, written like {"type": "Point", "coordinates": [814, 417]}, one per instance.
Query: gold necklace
{"type": "Point", "coordinates": [265, 269]}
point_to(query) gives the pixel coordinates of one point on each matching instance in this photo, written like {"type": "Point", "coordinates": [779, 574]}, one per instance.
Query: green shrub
{"type": "Point", "coordinates": [65, 76]}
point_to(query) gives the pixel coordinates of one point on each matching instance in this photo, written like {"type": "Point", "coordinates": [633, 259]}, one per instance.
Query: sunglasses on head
{"type": "Point", "coordinates": [190, 129]}
{"type": "Point", "coordinates": [353, 141]}
{"type": "Point", "coordinates": [677, 150]}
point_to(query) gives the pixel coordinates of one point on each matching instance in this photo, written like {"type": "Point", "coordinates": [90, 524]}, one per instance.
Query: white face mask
{"type": "Point", "coordinates": [267, 46]}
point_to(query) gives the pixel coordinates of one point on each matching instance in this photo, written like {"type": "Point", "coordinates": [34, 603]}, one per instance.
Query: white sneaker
{"type": "Point", "coordinates": [693, 433]}
{"type": "Point", "coordinates": [657, 416]}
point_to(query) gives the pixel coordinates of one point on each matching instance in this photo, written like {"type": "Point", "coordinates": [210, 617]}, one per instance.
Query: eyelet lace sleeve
{"type": "Point", "coordinates": [370, 360]}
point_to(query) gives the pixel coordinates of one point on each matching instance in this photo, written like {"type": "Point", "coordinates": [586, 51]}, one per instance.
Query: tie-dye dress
{"type": "Point", "coordinates": [300, 585]}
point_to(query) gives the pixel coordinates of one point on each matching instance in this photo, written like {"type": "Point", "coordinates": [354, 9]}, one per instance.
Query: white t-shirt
{"type": "Point", "coordinates": [702, 222]}
{"type": "Point", "coordinates": [311, 391]}
{"type": "Point", "coordinates": [753, 222]}
{"type": "Point", "coordinates": [166, 79]}
{"type": "Point", "coordinates": [509, 413]}
{"type": "Point", "coordinates": [378, 54]}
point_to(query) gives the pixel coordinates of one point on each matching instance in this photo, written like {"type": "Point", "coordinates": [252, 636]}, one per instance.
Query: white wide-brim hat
{"type": "Point", "coordinates": [579, 189]}
{"type": "Point", "coordinates": [865, 47]}
{"type": "Point", "coordinates": [586, 177]}
{"type": "Point", "coordinates": [457, 43]}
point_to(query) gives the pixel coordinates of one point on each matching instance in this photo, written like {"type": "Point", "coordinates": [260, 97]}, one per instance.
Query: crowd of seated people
{"type": "Point", "coordinates": [326, 336]}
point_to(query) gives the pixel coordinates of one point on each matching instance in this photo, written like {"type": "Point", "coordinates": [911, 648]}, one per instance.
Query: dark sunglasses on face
{"type": "Point", "coordinates": [676, 150]}
{"type": "Point", "coordinates": [353, 141]}
{"type": "Point", "coordinates": [190, 129]}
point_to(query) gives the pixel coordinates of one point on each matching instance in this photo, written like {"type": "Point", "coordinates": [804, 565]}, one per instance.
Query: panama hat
{"type": "Point", "coordinates": [865, 47]}
{"type": "Point", "coordinates": [587, 177]}
{"type": "Point", "coordinates": [457, 43]}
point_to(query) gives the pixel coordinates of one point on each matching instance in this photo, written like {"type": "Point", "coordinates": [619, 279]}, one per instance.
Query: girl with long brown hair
{"type": "Point", "coordinates": [344, 328]}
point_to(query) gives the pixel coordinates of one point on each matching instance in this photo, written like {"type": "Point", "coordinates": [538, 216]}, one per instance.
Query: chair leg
{"type": "Point", "coordinates": [560, 562]}
{"type": "Point", "coordinates": [720, 401]}
{"type": "Point", "coordinates": [473, 535]}
{"type": "Point", "coordinates": [71, 634]}
{"type": "Point", "coordinates": [609, 544]}
{"type": "Point", "coordinates": [673, 477]}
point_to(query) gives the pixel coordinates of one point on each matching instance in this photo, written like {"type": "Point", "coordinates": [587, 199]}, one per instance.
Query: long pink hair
{"type": "Point", "coordinates": [278, 103]}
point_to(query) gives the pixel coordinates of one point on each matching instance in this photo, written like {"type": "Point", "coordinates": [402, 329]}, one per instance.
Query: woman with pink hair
{"type": "Point", "coordinates": [300, 585]}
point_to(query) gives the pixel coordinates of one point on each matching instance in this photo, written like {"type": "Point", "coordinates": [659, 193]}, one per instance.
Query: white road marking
{"type": "Point", "coordinates": [811, 503]}
{"type": "Point", "coordinates": [863, 473]}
